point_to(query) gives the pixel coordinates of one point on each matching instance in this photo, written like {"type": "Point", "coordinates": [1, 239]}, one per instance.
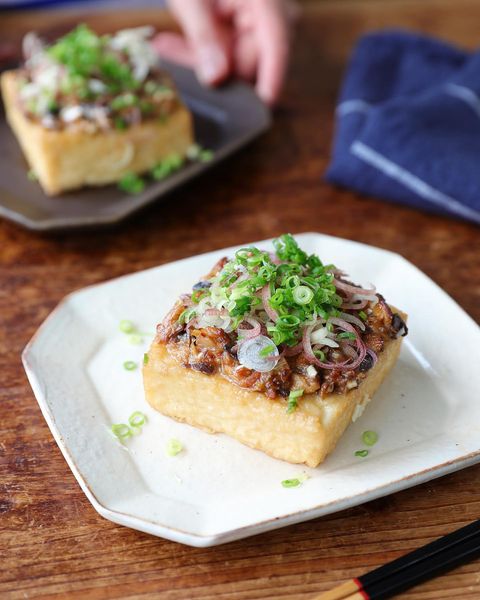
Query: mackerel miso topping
{"type": "Point", "coordinates": [94, 82]}
{"type": "Point", "coordinates": [281, 323]}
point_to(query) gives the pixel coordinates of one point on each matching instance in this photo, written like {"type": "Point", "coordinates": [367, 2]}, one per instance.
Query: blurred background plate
{"type": "Point", "coordinates": [225, 120]}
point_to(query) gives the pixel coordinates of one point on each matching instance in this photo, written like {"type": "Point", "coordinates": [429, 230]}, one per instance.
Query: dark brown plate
{"type": "Point", "coordinates": [225, 120]}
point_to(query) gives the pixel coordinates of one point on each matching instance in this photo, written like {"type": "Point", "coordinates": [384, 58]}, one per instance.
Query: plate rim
{"type": "Point", "coordinates": [235, 533]}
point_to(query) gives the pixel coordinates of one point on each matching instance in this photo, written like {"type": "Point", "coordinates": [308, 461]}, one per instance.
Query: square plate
{"type": "Point", "coordinates": [427, 412]}
{"type": "Point", "coordinates": [225, 119]}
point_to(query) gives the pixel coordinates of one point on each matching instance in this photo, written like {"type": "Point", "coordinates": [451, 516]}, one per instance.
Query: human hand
{"type": "Point", "coordinates": [248, 38]}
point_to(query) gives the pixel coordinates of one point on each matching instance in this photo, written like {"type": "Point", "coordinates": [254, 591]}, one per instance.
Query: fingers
{"type": "Point", "coordinates": [206, 38]}
{"type": "Point", "coordinates": [272, 32]}
{"type": "Point", "coordinates": [245, 55]}
{"type": "Point", "coordinates": [174, 47]}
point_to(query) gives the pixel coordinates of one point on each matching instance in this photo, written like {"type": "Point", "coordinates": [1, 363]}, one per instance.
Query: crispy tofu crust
{"type": "Point", "coordinates": [74, 157]}
{"type": "Point", "coordinates": [212, 403]}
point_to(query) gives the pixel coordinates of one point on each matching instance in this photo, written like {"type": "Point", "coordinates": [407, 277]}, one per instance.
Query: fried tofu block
{"type": "Point", "coordinates": [74, 157]}
{"type": "Point", "coordinates": [214, 404]}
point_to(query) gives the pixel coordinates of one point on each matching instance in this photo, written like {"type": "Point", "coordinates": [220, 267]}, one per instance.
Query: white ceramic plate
{"type": "Point", "coordinates": [427, 413]}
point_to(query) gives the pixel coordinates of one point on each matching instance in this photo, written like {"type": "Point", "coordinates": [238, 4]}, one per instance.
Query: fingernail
{"type": "Point", "coordinates": [212, 64]}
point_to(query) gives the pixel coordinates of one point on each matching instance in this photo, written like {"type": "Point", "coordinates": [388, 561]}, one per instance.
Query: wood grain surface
{"type": "Point", "coordinates": [52, 542]}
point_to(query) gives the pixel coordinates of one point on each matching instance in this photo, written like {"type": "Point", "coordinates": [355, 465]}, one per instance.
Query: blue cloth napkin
{"type": "Point", "coordinates": [408, 124]}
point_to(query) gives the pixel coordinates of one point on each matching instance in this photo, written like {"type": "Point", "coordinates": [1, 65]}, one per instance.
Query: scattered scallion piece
{"type": "Point", "coordinates": [135, 339]}
{"type": "Point", "coordinates": [145, 358]}
{"type": "Point", "coordinates": [167, 166]}
{"type": "Point", "coordinates": [121, 431]}
{"type": "Point", "coordinates": [129, 365]}
{"type": "Point", "coordinates": [137, 419]}
{"type": "Point", "coordinates": [126, 326]}
{"type": "Point", "coordinates": [205, 156]}
{"type": "Point", "coordinates": [32, 176]}
{"type": "Point", "coordinates": [288, 483]}
{"type": "Point", "coordinates": [174, 447]}
{"type": "Point", "coordinates": [370, 438]}
{"type": "Point", "coordinates": [131, 183]}
{"type": "Point", "coordinates": [193, 151]}
{"type": "Point", "coordinates": [361, 453]}
{"type": "Point", "coordinates": [296, 481]}
{"type": "Point", "coordinates": [292, 400]}
{"type": "Point", "coordinates": [362, 315]}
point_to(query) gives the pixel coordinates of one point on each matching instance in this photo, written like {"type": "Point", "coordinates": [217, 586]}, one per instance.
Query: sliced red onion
{"type": "Point", "coordinates": [266, 304]}
{"type": "Point", "coordinates": [249, 354]}
{"type": "Point", "coordinates": [293, 350]}
{"type": "Point", "coordinates": [362, 350]}
{"type": "Point", "coordinates": [186, 300]}
{"type": "Point", "coordinates": [373, 356]}
{"type": "Point", "coordinates": [212, 312]}
{"type": "Point", "coordinates": [353, 289]}
{"type": "Point", "coordinates": [353, 305]}
{"type": "Point", "coordinates": [349, 351]}
{"type": "Point", "coordinates": [255, 331]}
{"type": "Point", "coordinates": [352, 319]}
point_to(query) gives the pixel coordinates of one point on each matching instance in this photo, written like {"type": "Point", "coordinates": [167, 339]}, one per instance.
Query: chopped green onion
{"type": "Point", "coordinates": [124, 101]}
{"type": "Point", "coordinates": [205, 156]}
{"type": "Point", "coordinates": [145, 358]}
{"type": "Point", "coordinates": [150, 87]}
{"type": "Point", "coordinates": [160, 171]}
{"type": "Point", "coordinates": [174, 447]}
{"type": "Point", "coordinates": [131, 183]}
{"type": "Point", "coordinates": [267, 350]}
{"type": "Point", "coordinates": [32, 176]}
{"type": "Point", "coordinates": [346, 335]}
{"type": "Point", "coordinates": [120, 123]}
{"type": "Point", "coordinates": [292, 400]}
{"type": "Point", "coordinates": [167, 166]}
{"type": "Point", "coordinates": [193, 151]}
{"type": "Point", "coordinates": [121, 431]}
{"type": "Point", "coordinates": [137, 419]}
{"type": "Point", "coordinates": [370, 438]}
{"type": "Point", "coordinates": [288, 483]}
{"type": "Point", "coordinates": [129, 365]}
{"type": "Point", "coordinates": [301, 290]}
{"type": "Point", "coordinates": [146, 107]}
{"type": "Point", "coordinates": [296, 481]}
{"type": "Point", "coordinates": [320, 354]}
{"type": "Point", "coordinates": [135, 339]}
{"type": "Point", "coordinates": [361, 453]}
{"type": "Point", "coordinates": [174, 161]}
{"type": "Point", "coordinates": [186, 315]}
{"type": "Point", "coordinates": [362, 315]}
{"type": "Point", "coordinates": [302, 294]}
{"type": "Point", "coordinates": [127, 326]}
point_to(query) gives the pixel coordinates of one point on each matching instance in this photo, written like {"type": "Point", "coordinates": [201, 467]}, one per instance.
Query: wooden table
{"type": "Point", "coordinates": [53, 544]}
